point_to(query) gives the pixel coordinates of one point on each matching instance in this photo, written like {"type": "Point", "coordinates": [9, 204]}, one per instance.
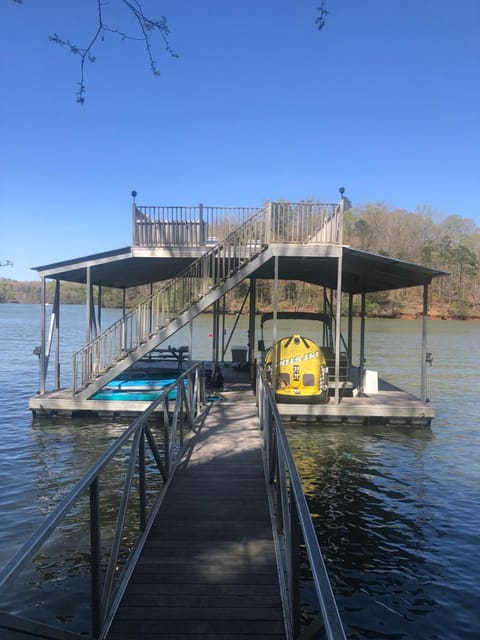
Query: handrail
{"type": "Point", "coordinates": [275, 223]}
{"type": "Point", "coordinates": [294, 523]}
{"type": "Point", "coordinates": [107, 586]}
{"type": "Point", "coordinates": [194, 226]}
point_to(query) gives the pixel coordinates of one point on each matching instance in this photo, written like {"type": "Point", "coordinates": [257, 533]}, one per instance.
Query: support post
{"type": "Point", "coordinates": [251, 329]}
{"type": "Point", "coordinates": [124, 327]}
{"type": "Point", "coordinates": [350, 330]}
{"type": "Point", "coordinates": [274, 334]}
{"type": "Point", "coordinates": [361, 368]}
{"type": "Point", "coordinates": [56, 315]}
{"type": "Point", "coordinates": [89, 305]}
{"type": "Point", "coordinates": [338, 321]}
{"type": "Point", "coordinates": [95, 558]}
{"type": "Point", "coordinates": [423, 383]}
{"type": "Point", "coordinates": [43, 323]}
{"type": "Point", "coordinates": [99, 308]}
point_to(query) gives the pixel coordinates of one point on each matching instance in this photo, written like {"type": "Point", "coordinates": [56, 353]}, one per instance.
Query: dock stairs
{"type": "Point", "coordinates": [177, 302]}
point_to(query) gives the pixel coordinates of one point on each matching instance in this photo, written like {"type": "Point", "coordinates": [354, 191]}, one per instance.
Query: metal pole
{"type": "Point", "coordinates": [423, 383]}
{"type": "Point", "coordinates": [99, 308]}
{"type": "Point", "coordinates": [56, 311]}
{"type": "Point", "coordinates": [274, 336]}
{"type": "Point", "coordinates": [362, 343]}
{"type": "Point", "coordinates": [95, 554]}
{"type": "Point", "coordinates": [251, 329]}
{"type": "Point", "coordinates": [124, 330]}
{"type": "Point", "coordinates": [43, 323]}
{"type": "Point", "coordinates": [190, 342]}
{"type": "Point", "coordinates": [338, 321]}
{"type": "Point", "coordinates": [350, 329]}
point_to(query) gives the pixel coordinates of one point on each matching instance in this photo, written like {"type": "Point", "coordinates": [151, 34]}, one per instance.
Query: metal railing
{"type": "Point", "coordinates": [294, 527]}
{"type": "Point", "coordinates": [109, 569]}
{"type": "Point", "coordinates": [276, 223]}
{"type": "Point", "coordinates": [194, 226]}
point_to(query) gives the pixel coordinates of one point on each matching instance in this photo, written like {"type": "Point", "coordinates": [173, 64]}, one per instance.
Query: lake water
{"type": "Point", "coordinates": [396, 509]}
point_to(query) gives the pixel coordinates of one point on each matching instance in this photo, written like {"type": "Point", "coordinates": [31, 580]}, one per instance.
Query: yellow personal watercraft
{"type": "Point", "coordinates": [301, 372]}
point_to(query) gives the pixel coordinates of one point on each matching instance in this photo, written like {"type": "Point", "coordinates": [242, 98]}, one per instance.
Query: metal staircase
{"type": "Point", "coordinates": [178, 301]}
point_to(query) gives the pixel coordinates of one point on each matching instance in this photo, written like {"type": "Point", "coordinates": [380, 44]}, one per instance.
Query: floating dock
{"type": "Point", "coordinates": [389, 404]}
{"type": "Point", "coordinates": [192, 257]}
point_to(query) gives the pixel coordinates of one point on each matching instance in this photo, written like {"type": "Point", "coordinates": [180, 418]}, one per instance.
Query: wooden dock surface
{"type": "Point", "coordinates": [208, 569]}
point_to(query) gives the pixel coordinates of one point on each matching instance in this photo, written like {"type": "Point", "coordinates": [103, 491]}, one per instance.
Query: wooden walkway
{"type": "Point", "coordinates": [208, 569]}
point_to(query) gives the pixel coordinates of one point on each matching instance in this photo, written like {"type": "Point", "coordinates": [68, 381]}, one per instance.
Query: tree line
{"type": "Point", "coordinates": [449, 243]}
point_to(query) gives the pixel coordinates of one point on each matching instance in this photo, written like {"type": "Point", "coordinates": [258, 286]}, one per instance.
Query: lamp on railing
{"type": "Point", "coordinates": [134, 195]}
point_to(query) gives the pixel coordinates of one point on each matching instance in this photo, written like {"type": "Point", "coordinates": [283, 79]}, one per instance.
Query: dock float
{"type": "Point", "coordinates": [208, 568]}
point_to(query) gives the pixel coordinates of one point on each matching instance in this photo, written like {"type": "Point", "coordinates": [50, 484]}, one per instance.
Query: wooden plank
{"type": "Point", "coordinates": [208, 568]}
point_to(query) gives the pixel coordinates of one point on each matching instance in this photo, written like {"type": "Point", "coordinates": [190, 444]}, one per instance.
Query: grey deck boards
{"type": "Point", "coordinates": [208, 568]}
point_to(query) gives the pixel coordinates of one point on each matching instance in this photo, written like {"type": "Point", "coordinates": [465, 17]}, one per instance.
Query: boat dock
{"type": "Point", "coordinates": [208, 568]}
{"type": "Point", "coordinates": [191, 258]}
{"type": "Point", "coordinates": [387, 404]}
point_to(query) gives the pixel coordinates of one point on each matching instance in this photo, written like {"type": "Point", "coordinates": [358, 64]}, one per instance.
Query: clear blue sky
{"type": "Point", "coordinates": [259, 105]}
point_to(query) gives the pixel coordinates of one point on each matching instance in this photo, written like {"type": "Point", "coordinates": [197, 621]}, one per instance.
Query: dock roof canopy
{"type": "Point", "coordinates": [317, 264]}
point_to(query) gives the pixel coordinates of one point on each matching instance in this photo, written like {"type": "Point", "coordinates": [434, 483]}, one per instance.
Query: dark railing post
{"type": "Point", "coordinates": [295, 568]}
{"type": "Point", "coordinates": [141, 481]}
{"type": "Point", "coordinates": [95, 547]}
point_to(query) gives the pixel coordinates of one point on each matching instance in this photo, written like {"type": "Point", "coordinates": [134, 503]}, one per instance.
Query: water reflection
{"type": "Point", "coordinates": [372, 506]}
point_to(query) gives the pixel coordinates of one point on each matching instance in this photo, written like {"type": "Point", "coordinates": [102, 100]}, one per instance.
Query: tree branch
{"type": "Point", "coordinates": [147, 28]}
{"type": "Point", "coordinates": [321, 19]}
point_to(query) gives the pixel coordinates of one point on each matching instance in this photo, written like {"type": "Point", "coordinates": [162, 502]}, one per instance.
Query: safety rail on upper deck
{"type": "Point", "coordinates": [275, 223]}
{"type": "Point", "coordinates": [300, 555]}
{"type": "Point", "coordinates": [202, 225]}
{"type": "Point", "coordinates": [194, 226]}
{"type": "Point", "coordinates": [148, 465]}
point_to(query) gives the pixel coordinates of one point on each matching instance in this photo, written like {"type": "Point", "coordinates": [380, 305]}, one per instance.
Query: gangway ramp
{"type": "Point", "coordinates": [208, 568]}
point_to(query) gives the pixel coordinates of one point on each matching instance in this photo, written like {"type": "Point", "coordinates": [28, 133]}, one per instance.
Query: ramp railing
{"type": "Point", "coordinates": [106, 546]}
{"type": "Point", "coordinates": [299, 554]}
{"type": "Point", "coordinates": [275, 223]}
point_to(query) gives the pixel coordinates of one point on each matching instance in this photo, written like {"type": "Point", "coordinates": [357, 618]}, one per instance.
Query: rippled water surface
{"type": "Point", "coordinates": [396, 509]}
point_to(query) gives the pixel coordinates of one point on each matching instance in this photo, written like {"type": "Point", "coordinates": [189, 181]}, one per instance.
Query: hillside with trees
{"type": "Point", "coordinates": [450, 243]}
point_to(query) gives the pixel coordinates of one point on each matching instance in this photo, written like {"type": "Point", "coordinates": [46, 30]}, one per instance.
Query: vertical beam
{"type": "Point", "coordinates": [274, 334]}
{"type": "Point", "coordinates": [350, 329]}
{"type": "Point", "coordinates": [95, 558]}
{"type": "Point", "coordinates": [215, 330]}
{"type": "Point", "coordinates": [99, 308]}
{"type": "Point", "coordinates": [56, 314]}
{"type": "Point", "coordinates": [190, 343]}
{"type": "Point", "coordinates": [251, 328]}
{"type": "Point", "coordinates": [224, 330]}
{"type": "Point", "coordinates": [362, 343]}
{"type": "Point", "coordinates": [124, 311]}
{"type": "Point", "coordinates": [338, 321]}
{"type": "Point", "coordinates": [43, 323]}
{"type": "Point", "coordinates": [423, 382]}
